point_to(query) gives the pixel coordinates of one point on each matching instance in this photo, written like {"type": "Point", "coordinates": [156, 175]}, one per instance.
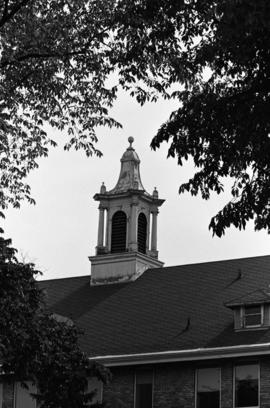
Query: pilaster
{"type": "Point", "coordinates": [133, 245]}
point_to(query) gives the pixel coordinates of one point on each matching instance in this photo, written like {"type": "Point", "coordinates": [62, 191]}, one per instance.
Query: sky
{"type": "Point", "coordinates": [59, 233]}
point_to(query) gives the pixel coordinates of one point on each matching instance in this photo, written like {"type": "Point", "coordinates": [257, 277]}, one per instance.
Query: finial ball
{"type": "Point", "coordinates": [131, 140]}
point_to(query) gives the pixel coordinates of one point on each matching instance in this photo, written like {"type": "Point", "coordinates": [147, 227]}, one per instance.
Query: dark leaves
{"type": "Point", "coordinates": [37, 346]}
{"type": "Point", "coordinates": [56, 58]}
{"type": "Point", "coordinates": [223, 123]}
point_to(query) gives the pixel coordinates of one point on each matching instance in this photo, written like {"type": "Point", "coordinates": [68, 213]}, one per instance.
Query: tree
{"type": "Point", "coordinates": [57, 60]}
{"type": "Point", "coordinates": [56, 63]}
{"type": "Point", "coordinates": [223, 121]}
{"type": "Point", "coordinates": [34, 345]}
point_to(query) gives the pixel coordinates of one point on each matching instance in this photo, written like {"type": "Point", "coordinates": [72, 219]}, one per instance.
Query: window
{"type": "Point", "coordinates": [95, 386]}
{"type": "Point", "coordinates": [247, 386]}
{"type": "Point", "coordinates": [119, 231]}
{"type": "Point", "coordinates": [142, 233]}
{"type": "Point", "coordinates": [252, 316]}
{"type": "Point", "coordinates": [208, 388]}
{"type": "Point", "coordinates": [7, 391]}
{"type": "Point", "coordinates": [144, 389]}
{"type": "Point", "coordinates": [23, 396]}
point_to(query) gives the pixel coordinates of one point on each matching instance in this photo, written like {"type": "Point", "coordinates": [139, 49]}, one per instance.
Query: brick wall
{"type": "Point", "coordinates": [265, 383]}
{"type": "Point", "coordinates": [120, 391]}
{"type": "Point", "coordinates": [226, 384]}
{"type": "Point", "coordinates": [174, 384]}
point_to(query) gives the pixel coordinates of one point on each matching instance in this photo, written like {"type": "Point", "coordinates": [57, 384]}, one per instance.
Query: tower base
{"type": "Point", "coordinates": [122, 267]}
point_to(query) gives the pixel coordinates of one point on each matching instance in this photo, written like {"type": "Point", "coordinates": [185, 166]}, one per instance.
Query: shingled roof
{"type": "Point", "coordinates": [171, 308]}
{"type": "Point", "coordinates": [259, 296]}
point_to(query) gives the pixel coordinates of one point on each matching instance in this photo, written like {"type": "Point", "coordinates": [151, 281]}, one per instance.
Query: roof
{"type": "Point", "coordinates": [255, 297]}
{"type": "Point", "coordinates": [170, 308]}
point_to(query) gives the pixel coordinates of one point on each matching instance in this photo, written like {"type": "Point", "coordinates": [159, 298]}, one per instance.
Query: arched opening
{"type": "Point", "coordinates": [142, 233]}
{"type": "Point", "coordinates": [119, 232]}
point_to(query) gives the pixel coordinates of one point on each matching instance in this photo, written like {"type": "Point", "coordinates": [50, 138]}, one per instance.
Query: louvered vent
{"type": "Point", "coordinates": [142, 231]}
{"type": "Point", "coordinates": [119, 231]}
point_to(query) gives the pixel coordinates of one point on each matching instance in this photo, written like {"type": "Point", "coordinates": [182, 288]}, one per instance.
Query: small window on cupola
{"type": "Point", "coordinates": [119, 232]}
{"type": "Point", "coordinates": [142, 233]}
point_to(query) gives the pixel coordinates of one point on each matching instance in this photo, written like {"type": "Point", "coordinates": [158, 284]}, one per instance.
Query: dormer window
{"type": "Point", "coordinates": [252, 310]}
{"type": "Point", "coordinates": [252, 316]}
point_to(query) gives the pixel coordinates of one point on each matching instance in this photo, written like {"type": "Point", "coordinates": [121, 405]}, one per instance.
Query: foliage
{"type": "Point", "coordinates": [62, 63]}
{"type": "Point", "coordinates": [34, 345]}
{"type": "Point", "coordinates": [56, 64]}
{"type": "Point", "coordinates": [223, 122]}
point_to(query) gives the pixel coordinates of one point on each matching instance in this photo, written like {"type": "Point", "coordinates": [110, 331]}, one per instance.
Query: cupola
{"type": "Point", "coordinates": [127, 228]}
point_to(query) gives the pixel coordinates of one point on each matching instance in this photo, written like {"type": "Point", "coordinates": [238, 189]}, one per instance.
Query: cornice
{"type": "Point", "coordinates": [184, 355]}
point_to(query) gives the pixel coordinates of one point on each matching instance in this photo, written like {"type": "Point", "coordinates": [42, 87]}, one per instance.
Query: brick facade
{"type": "Point", "coordinates": [121, 389]}
{"type": "Point", "coordinates": [227, 384]}
{"type": "Point", "coordinates": [265, 383]}
{"type": "Point", "coordinates": [174, 384]}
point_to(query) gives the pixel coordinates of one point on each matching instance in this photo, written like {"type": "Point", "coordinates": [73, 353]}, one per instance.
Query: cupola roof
{"type": "Point", "coordinates": [129, 178]}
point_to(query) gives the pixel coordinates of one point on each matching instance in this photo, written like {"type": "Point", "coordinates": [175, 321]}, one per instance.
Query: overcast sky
{"type": "Point", "coordinates": [60, 231]}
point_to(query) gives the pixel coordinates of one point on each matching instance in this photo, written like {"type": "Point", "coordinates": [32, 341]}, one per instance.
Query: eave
{"type": "Point", "coordinates": [183, 355]}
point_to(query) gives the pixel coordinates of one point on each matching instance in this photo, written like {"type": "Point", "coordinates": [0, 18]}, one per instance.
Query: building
{"type": "Point", "coordinates": [188, 336]}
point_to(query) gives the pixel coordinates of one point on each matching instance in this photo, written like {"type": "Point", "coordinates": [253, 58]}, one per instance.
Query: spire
{"type": "Point", "coordinates": [129, 178]}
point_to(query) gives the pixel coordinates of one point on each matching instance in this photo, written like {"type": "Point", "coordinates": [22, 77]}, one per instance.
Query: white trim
{"type": "Point", "coordinates": [184, 355]}
{"type": "Point", "coordinates": [195, 388]}
{"type": "Point", "coordinates": [241, 317]}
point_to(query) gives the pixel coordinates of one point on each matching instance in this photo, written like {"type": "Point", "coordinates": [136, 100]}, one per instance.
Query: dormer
{"type": "Point", "coordinates": [251, 311]}
{"type": "Point", "coordinates": [127, 229]}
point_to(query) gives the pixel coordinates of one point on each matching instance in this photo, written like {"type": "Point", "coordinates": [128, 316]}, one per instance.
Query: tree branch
{"type": "Point", "coordinates": [47, 55]}
{"type": "Point", "coordinates": [8, 16]}
{"type": "Point", "coordinates": [5, 11]}
{"type": "Point", "coordinates": [38, 56]}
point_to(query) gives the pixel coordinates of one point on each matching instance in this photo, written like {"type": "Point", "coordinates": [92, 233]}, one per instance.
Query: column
{"type": "Point", "coordinates": [108, 230]}
{"type": "Point", "coordinates": [154, 231]}
{"type": "Point", "coordinates": [100, 242]}
{"type": "Point", "coordinates": [133, 245]}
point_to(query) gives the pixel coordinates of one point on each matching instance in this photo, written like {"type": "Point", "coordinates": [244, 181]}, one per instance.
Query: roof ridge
{"type": "Point", "coordinates": [168, 267]}
{"type": "Point", "coordinates": [217, 261]}
{"type": "Point", "coordinates": [66, 277]}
